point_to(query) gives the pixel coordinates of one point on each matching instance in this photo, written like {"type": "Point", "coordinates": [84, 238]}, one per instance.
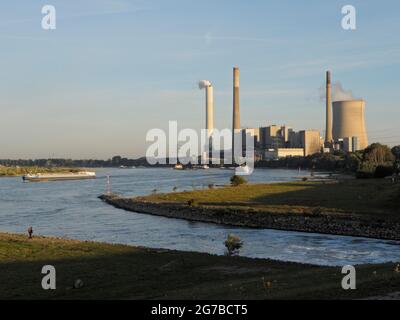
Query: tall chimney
{"type": "Point", "coordinates": [209, 109]}
{"type": "Point", "coordinates": [236, 111]}
{"type": "Point", "coordinates": [328, 127]}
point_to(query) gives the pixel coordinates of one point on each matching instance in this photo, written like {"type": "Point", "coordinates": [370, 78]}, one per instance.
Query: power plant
{"type": "Point", "coordinates": [349, 122]}
{"type": "Point", "coordinates": [345, 127]}
{"type": "Point", "coordinates": [205, 84]}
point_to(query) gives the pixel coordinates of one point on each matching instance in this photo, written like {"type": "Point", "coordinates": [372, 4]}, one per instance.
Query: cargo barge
{"type": "Point", "coordinates": [59, 176]}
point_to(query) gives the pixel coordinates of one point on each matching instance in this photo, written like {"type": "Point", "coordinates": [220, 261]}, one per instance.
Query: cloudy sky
{"type": "Point", "coordinates": [113, 69]}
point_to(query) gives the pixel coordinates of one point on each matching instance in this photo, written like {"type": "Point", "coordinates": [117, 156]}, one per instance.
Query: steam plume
{"type": "Point", "coordinates": [340, 94]}
{"type": "Point", "coordinates": [204, 84]}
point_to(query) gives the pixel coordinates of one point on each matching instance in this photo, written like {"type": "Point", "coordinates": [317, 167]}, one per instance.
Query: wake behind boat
{"type": "Point", "coordinates": [59, 176]}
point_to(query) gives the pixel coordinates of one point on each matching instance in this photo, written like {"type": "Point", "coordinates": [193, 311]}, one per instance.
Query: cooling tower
{"type": "Point", "coordinates": [349, 121]}
{"type": "Point", "coordinates": [328, 127]}
{"type": "Point", "coordinates": [209, 109]}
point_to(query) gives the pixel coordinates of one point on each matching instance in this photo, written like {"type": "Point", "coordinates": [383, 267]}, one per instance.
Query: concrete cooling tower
{"type": "Point", "coordinates": [349, 121]}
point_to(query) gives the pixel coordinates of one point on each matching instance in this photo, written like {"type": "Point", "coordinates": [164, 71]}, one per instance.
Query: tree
{"type": "Point", "coordinates": [378, 154]}
{"type": "Point", "coordinates": [233, 244]}
{"type": "Point", "coordinates": [377, 161]}
{"type": "Point", "coordinates": [396, 152]}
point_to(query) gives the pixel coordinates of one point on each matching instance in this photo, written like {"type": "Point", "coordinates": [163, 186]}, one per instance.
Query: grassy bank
{"type": "Point", "coordinates": [125, 272]}
{"type": "Point", "coordinates": [20, 171]}
{"type": "Point", "coordinates": [365, 208]}
{"type": "Point", "coordinates": [379, 198]}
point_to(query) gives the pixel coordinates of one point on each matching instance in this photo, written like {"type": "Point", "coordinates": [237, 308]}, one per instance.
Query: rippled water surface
{"type": "Point", "coordinates": [71, 209]}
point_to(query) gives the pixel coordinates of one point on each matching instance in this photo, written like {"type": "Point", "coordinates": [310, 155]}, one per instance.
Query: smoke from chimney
{"type": "Point", "coordinates": [204, 84]}
{"type": "Point", "coordinates": [340, 94]}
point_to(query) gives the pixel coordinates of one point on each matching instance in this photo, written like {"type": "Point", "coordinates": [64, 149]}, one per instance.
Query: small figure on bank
{"type": "Point", "coordinates": [30, 232]}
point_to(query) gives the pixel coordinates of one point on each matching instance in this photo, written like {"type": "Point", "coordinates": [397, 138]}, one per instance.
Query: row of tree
{"type": "Point", "coordinates": [375, 161]}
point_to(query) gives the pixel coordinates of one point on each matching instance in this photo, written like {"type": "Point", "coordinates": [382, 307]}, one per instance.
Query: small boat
{"type": "Point", "coordinates": [178, 166]}
{"type": "Point", "coordinates": [59, 176]}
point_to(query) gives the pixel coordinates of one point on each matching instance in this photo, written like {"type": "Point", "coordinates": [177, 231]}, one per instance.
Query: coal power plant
{"type": "Point", "coordinates": [345, 128]}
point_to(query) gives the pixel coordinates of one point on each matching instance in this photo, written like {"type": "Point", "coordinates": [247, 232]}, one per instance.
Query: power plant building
{"type": "Point", "coordinates": [310, 141]}
{"type": "Point", "coordinates": [274, 154]}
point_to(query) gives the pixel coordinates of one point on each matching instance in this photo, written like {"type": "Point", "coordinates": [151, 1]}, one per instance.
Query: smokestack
{"type": "Point", "coordinates": [328, 127]}
{"type": "Point", "coordinates": [205, 84]}
{"type": "Point", "coordinates": [236, 111]}
{"type": "Point", "coordinates": [209, 109]}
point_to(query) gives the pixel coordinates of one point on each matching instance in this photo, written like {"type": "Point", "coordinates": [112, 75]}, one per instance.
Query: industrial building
{"type": "Point", "coordinates": [282, 141]}
{"type": "Point", "coordinates": [273, 154]}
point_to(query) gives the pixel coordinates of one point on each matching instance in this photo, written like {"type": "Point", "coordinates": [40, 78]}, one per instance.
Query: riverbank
{"type": "Point", "coordinates": [365, 208]}
{"type": "Point", "coordinates": [125, 272]}
{"type": "Point", "coordinates": [16, 171]}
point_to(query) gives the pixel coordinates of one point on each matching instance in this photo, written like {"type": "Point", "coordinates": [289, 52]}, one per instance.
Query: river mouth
{"type": "Point", "coordinates": [71, 209]}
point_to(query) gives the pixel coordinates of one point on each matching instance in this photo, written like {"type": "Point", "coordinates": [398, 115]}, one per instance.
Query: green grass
{"type": "Point", "coordinates": [125, 272]}
{"type": "Point", "coordinates": [20, 171]}
{"type": "Point", "coordinates": [372, 197]}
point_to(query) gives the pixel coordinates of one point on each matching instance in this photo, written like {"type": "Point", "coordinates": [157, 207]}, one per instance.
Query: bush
{"type": "Point", "coordinates": [233, 244]}
{"type": "Point", "coordinates": [383, 172]}
{"type": "Point", "coordinates": [192, 203]}
{"type": "Point", "coordinates": [238, 180]}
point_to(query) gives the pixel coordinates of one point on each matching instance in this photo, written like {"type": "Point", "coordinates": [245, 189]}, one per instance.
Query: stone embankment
{"type": "Point", "coordinates": [318, 222]}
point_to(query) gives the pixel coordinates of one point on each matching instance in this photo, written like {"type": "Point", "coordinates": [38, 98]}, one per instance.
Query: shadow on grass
{"type": "Point", "coordinates": [161, 274]}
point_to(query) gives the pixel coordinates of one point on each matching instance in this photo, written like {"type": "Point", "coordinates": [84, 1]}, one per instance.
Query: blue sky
{"type": "Point", "coordinates": [112, 70]}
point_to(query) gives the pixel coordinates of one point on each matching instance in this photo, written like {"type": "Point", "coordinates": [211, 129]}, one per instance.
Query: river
{"type": "Point", "coordinates": [71, 209]}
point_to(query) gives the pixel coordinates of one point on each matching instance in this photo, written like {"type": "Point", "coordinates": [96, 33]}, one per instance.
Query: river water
{"type": "Point", "coordinates": [71, 209]}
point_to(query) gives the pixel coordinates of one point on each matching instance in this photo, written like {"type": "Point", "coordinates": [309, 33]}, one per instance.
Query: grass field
{"type": "Point", "coordinates": [124, 272]}
{"type": "Point", "coordinates": [374, 197]}
{"type": "Point", "coordinates": [20, 171]}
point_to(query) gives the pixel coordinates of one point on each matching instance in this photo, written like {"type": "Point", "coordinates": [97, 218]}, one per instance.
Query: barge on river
{"type": "Point", "coordinates": [59, 176]}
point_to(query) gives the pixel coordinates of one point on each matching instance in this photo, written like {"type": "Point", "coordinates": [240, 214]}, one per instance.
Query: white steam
{"type": "Point", "coordinates": [204, 84]}
{"type": "Point", "coordinates": [340, 94]}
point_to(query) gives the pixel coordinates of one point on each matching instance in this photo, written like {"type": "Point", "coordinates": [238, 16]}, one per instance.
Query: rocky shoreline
{"type": "Point", "coordinates": [327, 223]}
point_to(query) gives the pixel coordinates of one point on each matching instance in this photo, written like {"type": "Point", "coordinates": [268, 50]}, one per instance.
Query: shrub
{"type": "Point", "coordinates": [238, 180]}
{"type": "Point", "coordinates": [211, 186]}
{"type": "Point", "coordinates": [192, 203]}
{"type": "Point", "coordinates": [383, 171]}
{"type": "Point", "coordinates": [233, 244]}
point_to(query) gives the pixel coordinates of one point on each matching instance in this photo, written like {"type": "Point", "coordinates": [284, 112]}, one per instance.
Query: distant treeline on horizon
{"type": "Point", "coordinates": [365, 161]}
